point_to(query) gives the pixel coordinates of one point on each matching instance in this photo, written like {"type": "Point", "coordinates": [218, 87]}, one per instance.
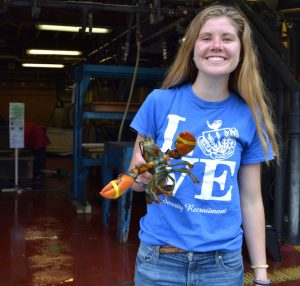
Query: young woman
{"type": "Point", "coordinates": [213, 90]}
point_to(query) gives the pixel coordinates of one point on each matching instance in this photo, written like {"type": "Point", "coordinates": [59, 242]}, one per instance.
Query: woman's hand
{"type": "Point", "coordinates": [138, 159]}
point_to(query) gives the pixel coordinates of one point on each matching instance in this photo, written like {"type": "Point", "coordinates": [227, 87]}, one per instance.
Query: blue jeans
{"type": "Point", "coordinates": [188, 268]}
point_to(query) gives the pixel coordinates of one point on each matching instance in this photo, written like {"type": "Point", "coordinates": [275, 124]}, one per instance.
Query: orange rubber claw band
{"type": "Point", "coordinates": [116, 188]}
{"type": "Point", "coordinates": [186, 142]}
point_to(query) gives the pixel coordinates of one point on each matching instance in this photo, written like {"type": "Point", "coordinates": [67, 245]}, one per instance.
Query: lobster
{"type": "Point", "coordinates": [157, 163]}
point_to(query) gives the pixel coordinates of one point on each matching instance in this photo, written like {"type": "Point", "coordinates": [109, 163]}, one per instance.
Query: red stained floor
{"type": "Point", "coordinates": [44, 242]}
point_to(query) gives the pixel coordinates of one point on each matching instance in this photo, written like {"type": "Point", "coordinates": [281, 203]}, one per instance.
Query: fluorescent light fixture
{"type": "Point", "coordinates": [34, 65]}
{"type": "Point", "coordinates": [72, 29]}
{"type": "Point", "coordinates": [53, 52]}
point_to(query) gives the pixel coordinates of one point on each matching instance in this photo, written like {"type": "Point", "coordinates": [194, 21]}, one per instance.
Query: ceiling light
{"type": "Point", "coordinates": [74, 29]}
{"type": "Point", "coordinates": [53, 52]}
{"type": "Point", "coordinates": [34, 65]}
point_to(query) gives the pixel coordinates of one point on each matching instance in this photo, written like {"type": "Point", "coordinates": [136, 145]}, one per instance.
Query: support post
{"type": "Point", "coordinates": [280, 169]}
{"type": "Point", "coordinates": [294, 169]}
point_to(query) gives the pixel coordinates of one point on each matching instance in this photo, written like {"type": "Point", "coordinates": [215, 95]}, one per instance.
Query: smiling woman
{"type": "Point", "coordinates": [214, 90]}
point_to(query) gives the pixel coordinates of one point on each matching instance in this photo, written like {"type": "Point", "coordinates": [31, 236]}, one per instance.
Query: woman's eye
{"type": "Point", "coordinates": [205, 39]}
{"type": "Point", "coordinates": [227, 40]}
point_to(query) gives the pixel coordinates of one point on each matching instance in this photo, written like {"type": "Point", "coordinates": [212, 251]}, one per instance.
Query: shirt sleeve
{"type": "Point", "coordinates": [254, 152]}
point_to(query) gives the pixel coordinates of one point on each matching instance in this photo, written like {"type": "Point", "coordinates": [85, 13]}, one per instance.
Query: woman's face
{"type": "Point", "coordinates": [217, 49]}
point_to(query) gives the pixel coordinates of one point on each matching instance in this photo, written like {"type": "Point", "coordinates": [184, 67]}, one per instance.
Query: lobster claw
{"type": "Point", "coordinates": [185, 143]}
{"type": "Point", "coordinates": [116, 188]}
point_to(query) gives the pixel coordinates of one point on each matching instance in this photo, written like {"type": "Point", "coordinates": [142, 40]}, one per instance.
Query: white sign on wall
{"type": "Point", "coordinates": [16, 124]}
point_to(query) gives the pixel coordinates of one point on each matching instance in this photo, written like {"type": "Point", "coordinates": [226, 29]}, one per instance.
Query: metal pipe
{"type": "Point", "coordinates": [128, 36]}
{"type": "Point", "coordinates": [101, 6]}
{"type": "Point", "coordinates": [290, 11]}
{"type": "Point", "coordinates": [294, 170]}
{"type": "Point", "coordinates": [134, 77]}
{"type": "Point", "coordinates": [279, 189]}
{"type": "Point", "coordinates": [82, 4]}
{"type": "Point", "coordinates": [18, 59]}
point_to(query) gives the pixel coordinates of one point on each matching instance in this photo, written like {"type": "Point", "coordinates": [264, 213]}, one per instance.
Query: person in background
{"type": "Point", "coordinates": [214, 90]}
{"type": "Point", "coordinates": [36, 140]}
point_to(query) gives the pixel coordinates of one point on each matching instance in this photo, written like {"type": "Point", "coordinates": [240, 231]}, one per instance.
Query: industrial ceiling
{"type": "Point", "coordinates": [158, 24]}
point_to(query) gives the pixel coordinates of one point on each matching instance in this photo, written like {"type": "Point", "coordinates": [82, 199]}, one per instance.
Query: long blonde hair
{"type": "Point", "coordinates": [246, 79]}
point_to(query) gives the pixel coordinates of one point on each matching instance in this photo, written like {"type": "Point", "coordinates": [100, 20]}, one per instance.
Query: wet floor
{"type": "Point", "coordinates": [44, 242]}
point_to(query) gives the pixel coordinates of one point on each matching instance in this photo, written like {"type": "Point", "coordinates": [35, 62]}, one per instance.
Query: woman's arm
{"type": "Point", "coordinates": [253, 216]}
{"type": "Point", "coordinates": [138, 159]}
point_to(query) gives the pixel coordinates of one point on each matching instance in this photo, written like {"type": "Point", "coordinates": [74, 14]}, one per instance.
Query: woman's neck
{"type": "Point", "coordinates": [211, 89]}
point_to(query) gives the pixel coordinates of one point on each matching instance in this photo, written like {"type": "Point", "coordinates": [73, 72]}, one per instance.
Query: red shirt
{"type": "Point", "coordinates": [35, 137]}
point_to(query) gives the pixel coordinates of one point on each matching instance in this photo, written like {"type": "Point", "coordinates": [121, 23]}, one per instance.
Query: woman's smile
{"type": "Point", "coordinates": [216, 59]}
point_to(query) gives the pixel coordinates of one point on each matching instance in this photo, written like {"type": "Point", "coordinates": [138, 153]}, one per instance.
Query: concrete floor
{"type": "Point", "coordinates": [44, 242]}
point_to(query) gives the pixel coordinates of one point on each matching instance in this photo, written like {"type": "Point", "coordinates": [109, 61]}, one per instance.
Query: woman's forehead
{"type": "Point", "coordinates": [222, 24]}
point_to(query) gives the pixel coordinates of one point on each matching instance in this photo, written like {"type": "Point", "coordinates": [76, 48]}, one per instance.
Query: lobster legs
{"type": "Point", "coordinates": [154, 189]}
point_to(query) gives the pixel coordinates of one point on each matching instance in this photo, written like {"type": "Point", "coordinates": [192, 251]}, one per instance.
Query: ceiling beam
{"type": "Point", "coordinates": [81, 5]}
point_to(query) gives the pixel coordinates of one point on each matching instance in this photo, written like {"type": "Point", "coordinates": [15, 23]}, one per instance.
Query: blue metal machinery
{"type": "Point", "coordinates": [83, 75]}
{"type": "Point", "coordinates": [117, 157]}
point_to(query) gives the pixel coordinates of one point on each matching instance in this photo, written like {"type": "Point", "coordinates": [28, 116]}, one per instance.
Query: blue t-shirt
{"type": "Point", "coordinates": [205, 216]}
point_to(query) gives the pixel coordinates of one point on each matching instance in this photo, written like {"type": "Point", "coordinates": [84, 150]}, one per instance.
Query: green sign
{"type": "Point", "coordinates": [16, 124]}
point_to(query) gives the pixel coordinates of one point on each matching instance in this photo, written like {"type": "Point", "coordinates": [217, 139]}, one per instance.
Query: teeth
{"type": "Point", "coordinates": [216, 59]}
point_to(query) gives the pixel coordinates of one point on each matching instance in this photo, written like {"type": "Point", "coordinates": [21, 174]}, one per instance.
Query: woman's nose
{"type": "Point", "coordinates": [216, 44]}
